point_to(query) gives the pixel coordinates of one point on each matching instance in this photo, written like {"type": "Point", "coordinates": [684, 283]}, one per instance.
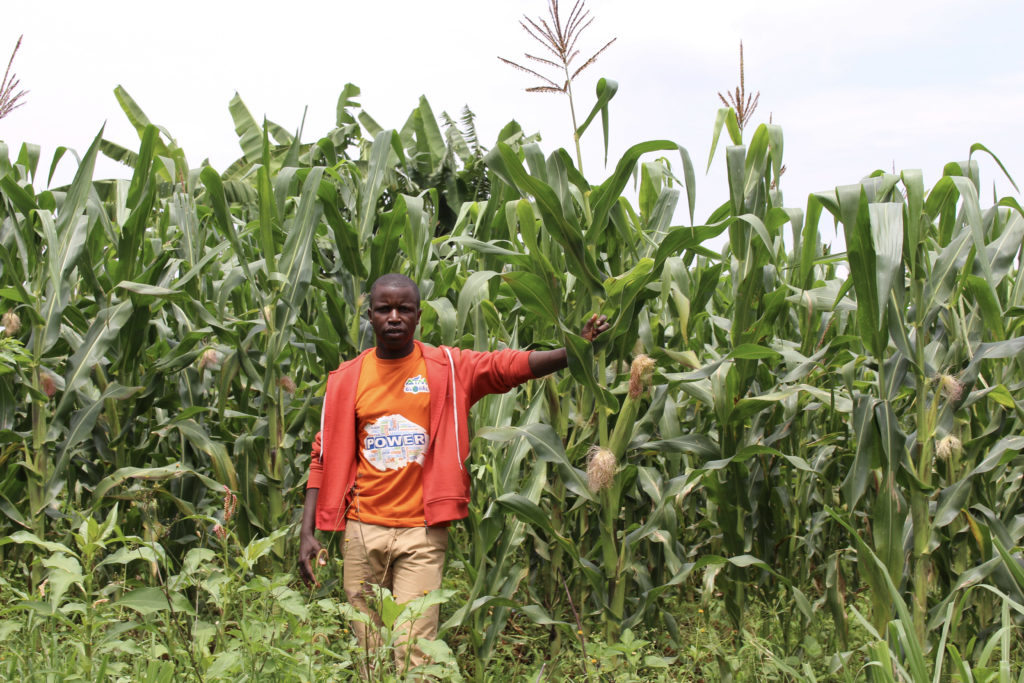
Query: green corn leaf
{"type": "Point", "coordinates": [978, 147]}
{"type": "Point", "coordinates": [143, 163]}
{"type": "Point", "coordinates": [474, 290]}
{"type": "Point", "coordinates": [223, 220]}
{"type": "Point", "coordinates": [547, 446]}
{"type": "Point", "coordinates": [346, 238]}
{"type": "Point", "coordinates": [888, 516]}
{"type": "Point", "coordinates": [951, 502]}
{"type": "Point", "coordinates": [735, 160]}
{"type": "Point", "coordinates": [166, 472]}
{"type": "Point", "coordinates": [540, 298]}
{"type": "Point", "coordinates": [296, 258]}
{"type": "Point", "coordinates": [606, 90]}
{"type": "Point", "coordinates": [22, 200]}
{"type": "Point", "coordinates": [726, 116]}
{"type": "Point", "coordinates": [250, 137]}
{"type": "Point", "coordinates": [268, 220]}
{"type": "Point", "coordinates": [756, 160]}
{"type": "Point", "coordinates": [222, 466]}
{"type": "Point", "coordinates": [753, 352]}
{"type": "Point", "coordinates": [681, 238]}
{"type": "Point", "coordinates": [581, 366]}
{"type": "Point", "coordinates": [972, 210]}
{"type": "Point", "coordinates": [12, 512]}
{"type": "Point", "coordinates": [1002, 251]}
{"type": "Point", "coordinates": [607, 194]}
{"type": "Point", "coordinates": [886, 222]}
{"type": "Point", "coordinates": [83, 421]}
{"type": "Point", "coordinates": [102, 333]}
{"type": "Point", "coordinates": [1010, 563]}
{"type": "Point", "coordinates": [564, 228]}
{"type": "Point", "coordinates": [373, 183]}
{"type": "Point", "coordinates": [988, 306]}
{"type": "Point", "coordinates": [867, 454]}
{"type": "Point", "coordinates": [135, 115]}
{"type": "Point", "coordinates": [530, 513]}
{"type": "Point", "coordinates": [1008, 348]}
{"type": "Point", "coordinates": [429, 137]}
{"type": "Point", "coordinates": [388, 237]}
{"type": "Point", "coordinates": [148, 290]}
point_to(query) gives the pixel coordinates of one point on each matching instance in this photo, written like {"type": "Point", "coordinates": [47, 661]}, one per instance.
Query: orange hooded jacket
{"type": "Point", "coordinates": [457, 379]}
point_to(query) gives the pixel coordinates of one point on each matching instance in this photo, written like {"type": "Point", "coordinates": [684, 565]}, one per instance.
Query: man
{"type": "Point", "coordinates": [388, 463]}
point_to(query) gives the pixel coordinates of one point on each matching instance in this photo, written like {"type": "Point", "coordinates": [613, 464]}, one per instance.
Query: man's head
{"type": "Point", "coordinates": [394, 313]}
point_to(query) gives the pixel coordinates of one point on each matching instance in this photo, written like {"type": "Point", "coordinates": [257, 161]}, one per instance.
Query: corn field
{"type": "Point", "coordinates": [836, 435]}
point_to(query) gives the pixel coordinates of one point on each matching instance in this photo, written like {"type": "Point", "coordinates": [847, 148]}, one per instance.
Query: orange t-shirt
{"type": "Point", "coordinates": [393, 415]}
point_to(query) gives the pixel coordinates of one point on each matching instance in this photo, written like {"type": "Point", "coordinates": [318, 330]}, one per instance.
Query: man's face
{"type": "Point", "coordinates": [394, 314]}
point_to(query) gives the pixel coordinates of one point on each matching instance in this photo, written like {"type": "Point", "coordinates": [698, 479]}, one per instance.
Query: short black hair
{"type": "Point", "coordinates": [395, 280]}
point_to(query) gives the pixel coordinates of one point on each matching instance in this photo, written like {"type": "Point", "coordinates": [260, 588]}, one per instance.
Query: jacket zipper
{"type": "Point", "coordinates": [455, 408]}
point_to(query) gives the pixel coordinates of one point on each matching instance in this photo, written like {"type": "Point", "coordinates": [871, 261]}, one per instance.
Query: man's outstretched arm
{"type": "Point", "coordinates": [545, 362]}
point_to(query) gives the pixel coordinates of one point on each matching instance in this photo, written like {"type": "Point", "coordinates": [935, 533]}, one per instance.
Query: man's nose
{"type": "Point", "coordinates": [393, 315]}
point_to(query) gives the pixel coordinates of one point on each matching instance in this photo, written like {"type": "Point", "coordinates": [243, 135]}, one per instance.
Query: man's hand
{"type": "Point", "coordinates": [310, 550]}
{"type": "Point", "coordinates": [545, 362]}
{"type": "Point", "coordinates": [595, 326]}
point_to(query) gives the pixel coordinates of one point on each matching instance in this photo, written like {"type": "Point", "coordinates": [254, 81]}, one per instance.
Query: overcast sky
{"type": "Point", "coordinates": [855, 86]}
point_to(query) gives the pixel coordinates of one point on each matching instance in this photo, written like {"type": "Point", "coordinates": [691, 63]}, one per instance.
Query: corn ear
{"type": "Point", "coordinates": [640, 372]}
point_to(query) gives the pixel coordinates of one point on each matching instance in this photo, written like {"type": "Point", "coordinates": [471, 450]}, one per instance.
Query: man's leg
{"type": "Point", "coordinates": [367, 553]}
{"type": "Point", "coordinates": [419, 562]}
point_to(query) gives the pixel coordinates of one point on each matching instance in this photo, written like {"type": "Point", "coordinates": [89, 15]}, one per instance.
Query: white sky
{"type": "Point", "coordinates": [855, 86]}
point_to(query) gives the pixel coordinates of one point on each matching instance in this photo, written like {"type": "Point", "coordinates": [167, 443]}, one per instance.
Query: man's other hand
{"type": "Point", "coordinates": [594, 327]}
{"type": "Point", "coordinates": [310, 551]}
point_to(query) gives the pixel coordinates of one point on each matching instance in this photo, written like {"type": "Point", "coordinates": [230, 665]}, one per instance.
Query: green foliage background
{"type": "Point", "coordinates": [824, 433]}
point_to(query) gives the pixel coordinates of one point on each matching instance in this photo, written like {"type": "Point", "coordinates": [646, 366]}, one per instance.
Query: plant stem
{"type": "Point", "coordinates": [926, 420]}
{"type": "Point", "coordinates": [602, 410]}
{"type": "Point", "coordinates": [39, 460]}
{"type": "Point", "coordinates": [113, 419]}
{"type": "Point", "coordinates": [572, 113]}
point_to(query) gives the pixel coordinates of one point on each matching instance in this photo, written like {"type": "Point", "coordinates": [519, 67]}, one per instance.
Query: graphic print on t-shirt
{"type": "Point", "coordinates": [392, 442]}
{"type": "Point", "coordinates": [393, 423]}
{"type": "Point", "coordinates": [416, 385]}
